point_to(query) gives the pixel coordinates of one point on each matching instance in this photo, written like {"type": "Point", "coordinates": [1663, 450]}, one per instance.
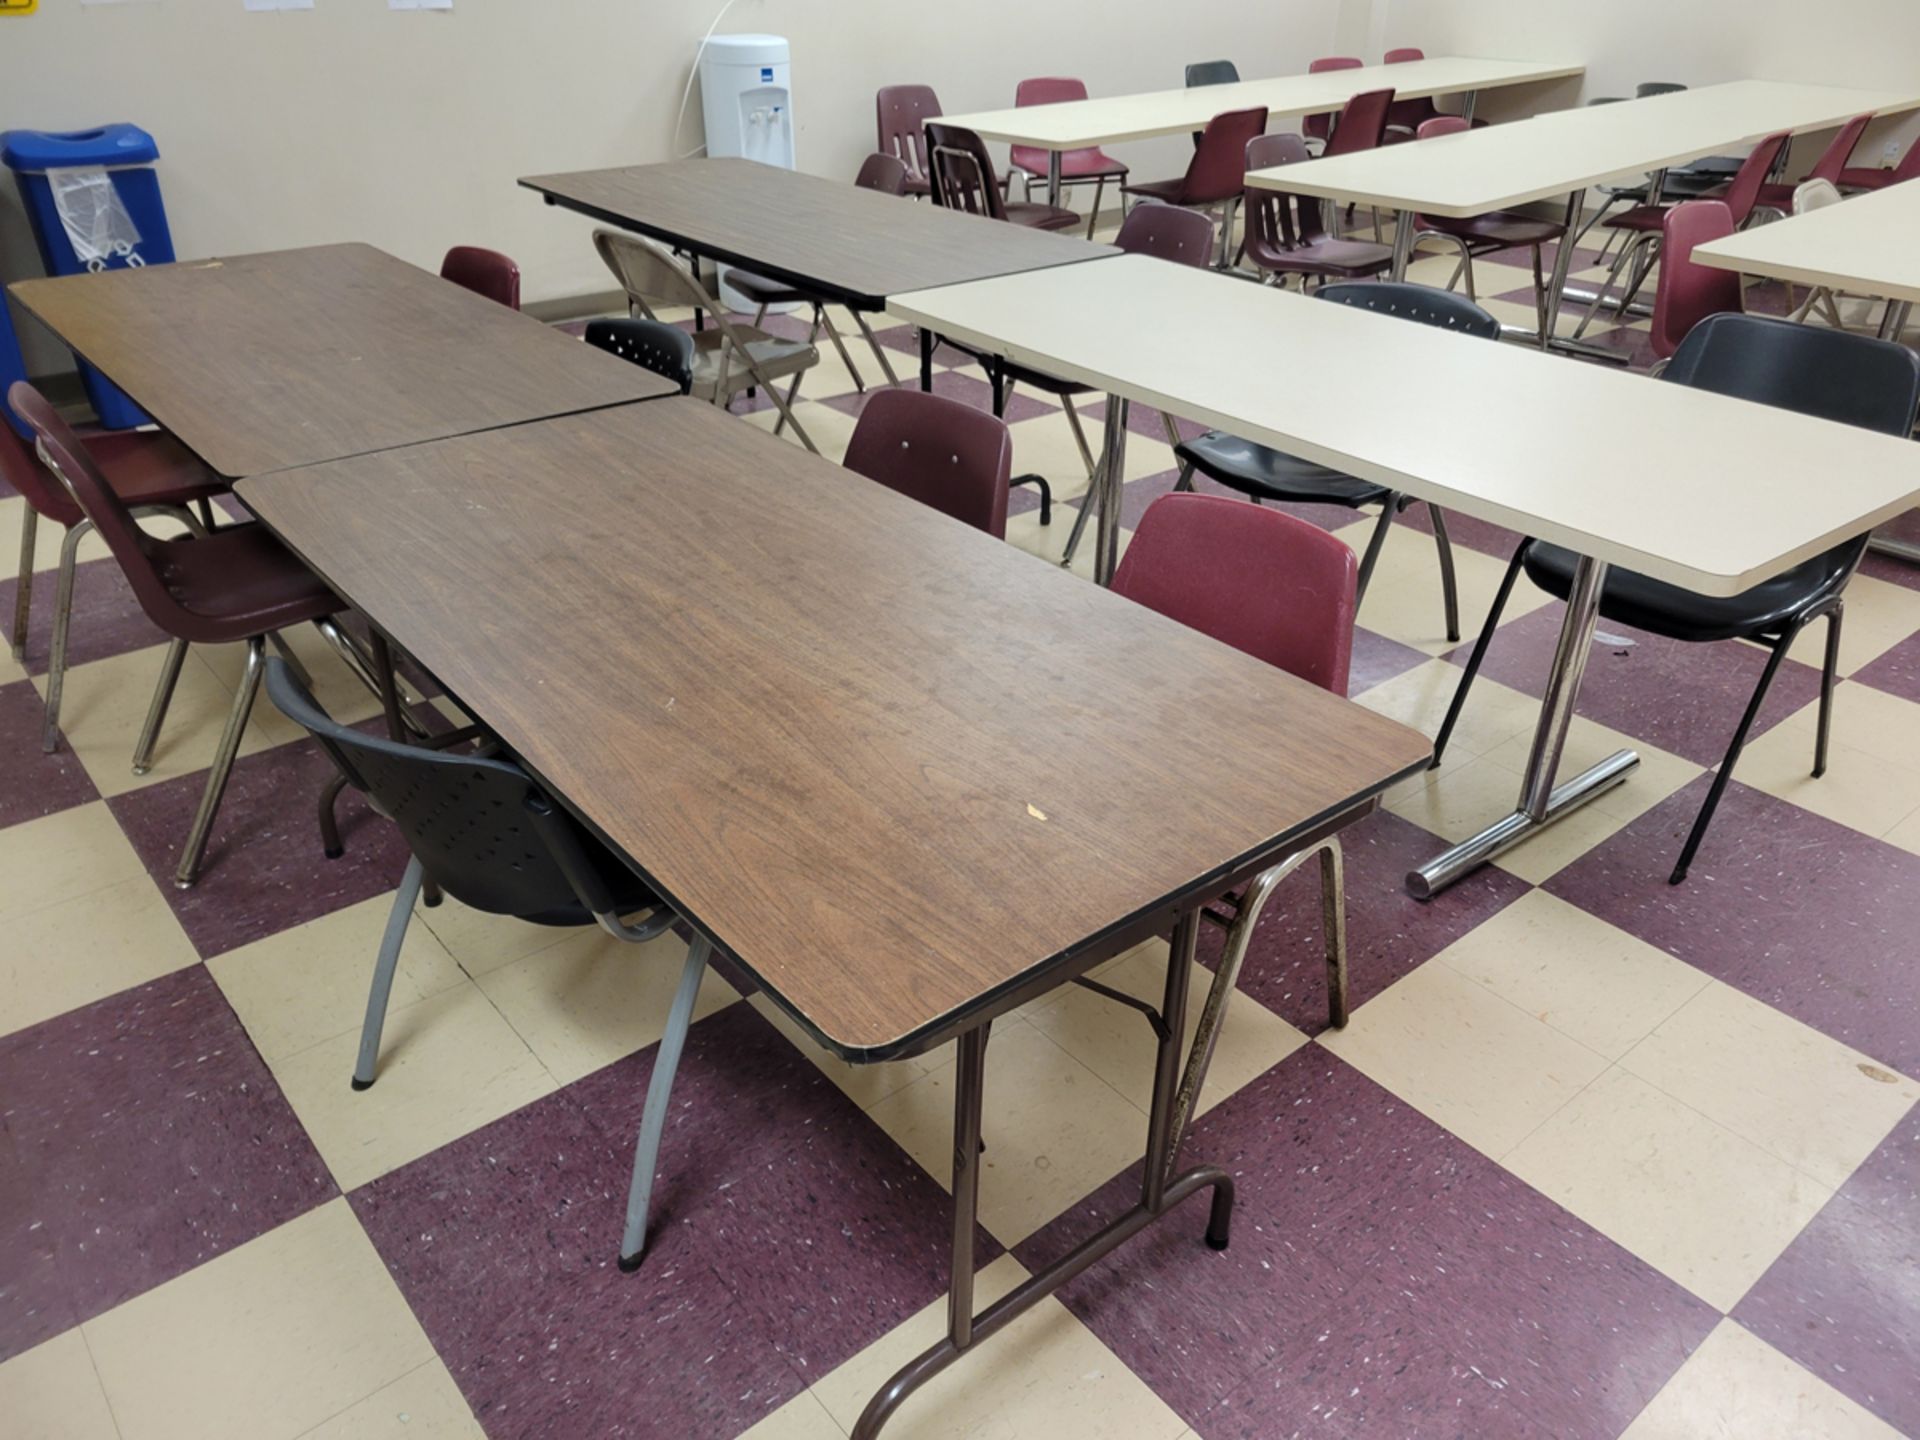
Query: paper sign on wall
{"type": "Point", "coordinates": [420, 4]}
{"type": "Point", "coordinates": [279, 4]}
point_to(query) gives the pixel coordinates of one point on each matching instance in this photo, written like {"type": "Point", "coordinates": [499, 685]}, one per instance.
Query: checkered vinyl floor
{"type": "Point", "coordinates": [1596, 1157]}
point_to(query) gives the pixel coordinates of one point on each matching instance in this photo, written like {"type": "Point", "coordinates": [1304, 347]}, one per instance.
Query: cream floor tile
{"type": "Point", "coordinates": [63, 956]}
{"type": "Point", "coordinates": [1404, 600]}
{"type": "Point", "coordinates": [260, 1343]}
{"type": "Point", "coordinates": [1684, 1193]}
{"type": "Point", "coordinates": [1815, 1103]}
{"type": "Point", "coordinates": [865, 1085]}
{"type": "Point", "coordinates": [1658, 775]}
{"type": "Point", "coordinates": [423, 1404]}
{"type": "Point", "coordinates": [52, 1393]}
{"type": "Point", "coordinates": [1872, 782]}
{"type": "Point", "coordinates": [1738, 1387]}
{"type": "Point", "coordinates": [1906, 834]}
{"type": "Point", "coordinates": [1586, 978]}
{"type": "Point", "coordinates": [448, 1065]}
{"type": "Point", "coordinates": [480, 942]}
{"type": "Point", "coordinates": [1117, 1044]}
{"type": "Point", "coordinates": [105, 704]}
{"type": "Point", "coordinates": [1049, 542]}
{"type": "Point", "coordinates": [1462, 1056]}
{"type": "Point", "coordinates": [1879, 616]}
{"type": "Point", "coordinates": [1466, 795]}
{"type": "Point", "coordinates": [1045, 444]}
{"type": "Point", "coordinates": [11, 670]}
{"type": "Point", "coordinates": [70, 853]}
{"type": "Point", "coordinates": [1419, 698]}
{"type": "Point", "coordinates": [1046, 1374]}
{"type": "Point", "coordinates": [592, 999]}
{"type": "Point", "coordinates": [337, 688]}
{"type": "Point", "coordinates": [829, 429]}
{"type": "Point", "coordinates": [1054, 1129]}
{"type": "Point", "coordinates": [309, 984]}
{"type": "Point", "coordinates": [801, 1418]}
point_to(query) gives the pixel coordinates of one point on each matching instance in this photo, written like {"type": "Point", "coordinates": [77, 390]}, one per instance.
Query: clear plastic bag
{"type": "Point", "coordinates": [95, 217]}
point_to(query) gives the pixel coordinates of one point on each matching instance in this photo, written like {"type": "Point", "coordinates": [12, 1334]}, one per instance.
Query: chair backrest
{"type": "Point", "coordinates": [1167, 232]}
{"type": "Point", "coordinates": [1049, 90]}
{"type": "Point", "coordinates": [1811, 195]}
{"type": "Point", "coordinates": [485, 272]}
{"type": "Point", "coordinates": [1442, 125]}
{"type": "Point", "coordinates": [1276, 219]}
{"type": "Point", "coordinates": [1423, 304]}
{"type": "Point", "coordinates": [1319, 127]}
{"type": "Point", "coordinates": [961, 172]}
{"type": "Point", "coordinates": [1689, 292]}
{"type": "Point", "coordinates": [481, 827]}
{"type": "Point", "coordinates": [1410, 114]}
{"type": "Point", "coordinates": [885, 173]}
{"type": "Point", "coordinates": [1257, 579]}
{"type": "Point", "coordinates": [1744, 189]}
{"type": "Point", "coordinates": [1362, 123]}
{"type": "Point", "coordinates": [1218, 170]}
{"type": "Point", "coordinates": [1829, 374]}
{"type": "Point", "coordinates": [953, 457]}
{"type": "Point", "coordinates": [1212, 72]}
{"type": "Point", "coordinates": [1647, 89]}
{"type": "Point", "coordinates": [1840, 149]}
{"type": "Point", "coordinates": [901, 113]}
{"type": "Point", "coordinates": [1405, 54]}
{"type": "Point", "coordinates": [653, 345]}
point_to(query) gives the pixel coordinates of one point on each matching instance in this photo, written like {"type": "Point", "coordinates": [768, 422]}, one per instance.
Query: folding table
{"type": "Point", "coordinates": [1716, 498]}
{"type": "Point", "coordinates": [1110, 120]}
{"type": "Point", "coordinates": [803, 707]}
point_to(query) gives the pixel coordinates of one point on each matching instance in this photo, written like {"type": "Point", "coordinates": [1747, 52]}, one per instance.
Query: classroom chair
{"type": "Point", "coordinates": [1407, 116]}
{"type": "Point", "coordinates": [1809, 196]}
{"type": "Point", "coordinates": [1849, 379]}
{"type": "Point", "coordinates": [1286, 234]}
{"type": "Point", "coordinates": [950, 456]}
{"type": "Point", "coordinates": [666, 350]}
{"type": "Point", "coordinates": [964, 179]}
{"type": "Point", "coordinates": [485, 272]}
{"type": "Point", "coordinates": [901, 113]}
{"type": "Point", "coordinates": [1318, 129]}
{"type": "Point", "coordinates": [1077, 167]}
{"type": "Point", "coordinates": [1363, 125]}
{"type": "Point", "coordinates": [1776, 197]}
{"type": "Point", "coordinates": [1211, 72]}
{"type": "Point", "coordinates": [1215, 177]}
{"type": "Point", "coordinates": [1856, 179]}
{"type": "Point", "coordinates": [1688, 292]}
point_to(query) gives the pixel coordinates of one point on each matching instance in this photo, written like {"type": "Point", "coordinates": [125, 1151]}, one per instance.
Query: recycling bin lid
{"type": "Point", "coordinates": [32, 151]}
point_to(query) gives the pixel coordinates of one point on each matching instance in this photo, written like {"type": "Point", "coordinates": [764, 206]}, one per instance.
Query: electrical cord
{"type": "Point", "coordinates": [692, 74]}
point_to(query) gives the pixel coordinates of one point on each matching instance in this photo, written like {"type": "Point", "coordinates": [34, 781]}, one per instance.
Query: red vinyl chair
{"type": "Point", "coordinates": [1319, 128]}
{"type": "Point", "coordinates": [1363, 126]}
{"type": "Point", "coordinates": [901, 113]}
{"type": "Point", "coordinates": [1688, 292]}
{"type": "Point", "coordinates": [1286, 234]}
{"type": "Point", "coordinates": [1282, 591]}
{"type": "Point", "coordinates": [1832, 164]}
{"type": "Point", "coordinates": [964, 179]}
{"type": "Point", "coordinates": [1217, 174]}
{"type": "Point", "coordinates": [1077, 167]}
{"type": "Point", "coordinates": [485, 272]}
{"type": "Point", "coordinates": [950, 456]}
{"type": "Point", "coordinates": [1407, 116]}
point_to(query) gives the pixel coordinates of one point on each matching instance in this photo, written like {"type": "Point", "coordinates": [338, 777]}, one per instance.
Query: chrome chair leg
{"type": "Point", "coordinates": [286, 652]}
{"type": "Point", "coordinates": [243, 697]}
{"type": "Point", "coordinates": [1540, 306]}
{"type": "Point", "coordinates": [653, 1120]}
{"type": "Point", "coordinates": [1480, 645]}
{"type": "Point", "coordinates": [840, 346]}
{"type": "Point", "coordinates": [398, 919]}
{"type": "Point", "coordinates": [793, 390]}
{"type": "Point", "coordinates": [23, 595]}
{"type": "Point", "coordinates": [1093, 216]}
{"type": "Point", "coordinates": [1185, 482]}
{"type": "Point", "coordinates": [1081, 516]}
{"type": "Point", "coordinates": [1079, 434]}
{"type": "Point", "coordinates": [1627, 252]}
{"type": "Point", "coordinates": [879, 350]}
{"type": "Point", "coordinates": [157, 708]}
{"type": "Point", "coordinates": [62, 627]}
{"type": "Point", "coordinates": [1449, 588]}
{"type": "Point", "coordinates": [1172, 430]}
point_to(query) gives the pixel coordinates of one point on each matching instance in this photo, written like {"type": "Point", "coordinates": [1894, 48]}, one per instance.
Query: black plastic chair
{"type": "Point", "coordinates": [486, 832]}
{"type": "Point", "coordinates": [651, 344]}
{"type": "Point", "coordinates": [1851, 379]}
{"type": "Point", "coordinates": [1268, 474]}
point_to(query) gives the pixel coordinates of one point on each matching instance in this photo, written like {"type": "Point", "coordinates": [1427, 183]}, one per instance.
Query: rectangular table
{"type": "Point", "coordinates": [261, 362]}
{"type": "Point", "coordinates": [1716, 498]}
{"type": "Point", "coordinates": [1562, 155]}
{"type": "Point", "coordinates": [1110, 120]}
{"type": "Point", "coordinates": [804, 707]}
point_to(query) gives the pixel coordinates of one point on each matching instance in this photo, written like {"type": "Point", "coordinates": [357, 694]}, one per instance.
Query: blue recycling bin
{"type": "Point", "coordinates": [93, 198]}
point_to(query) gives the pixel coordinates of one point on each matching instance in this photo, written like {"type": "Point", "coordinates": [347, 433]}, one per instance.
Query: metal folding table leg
{"type": "Point", "coordinates": [1402, 243]}
{"type": "Point", "coordinates": [1541, 801]}
{"type": "Point", "coordinates": [1053, 177]}
{"type": "Point", "coordinates": [1159, 1196]}
{"type": "Point", "coordinates": [1109, 483]}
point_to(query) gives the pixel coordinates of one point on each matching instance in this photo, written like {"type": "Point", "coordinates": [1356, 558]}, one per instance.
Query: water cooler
{"type": "Point", "coordinates": [746, 91]}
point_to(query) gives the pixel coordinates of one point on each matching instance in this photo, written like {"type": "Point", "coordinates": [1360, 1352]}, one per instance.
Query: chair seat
{"type": "Point", "coordinates": [775, 357]}
{"type": "Point", "coordinates": [1333, 259]}
{"type": "Point", "coordinates": [239, 582]}
{"type": "Point", "coordinates": [1092, 164]}
{"type": "Point", "coordinates": [1168, 192]}
{"type": "Point", "coordinates": [1272, 474]}
{"type": "Point", "coordinates": [1501, 229]}
{"type": "Point", "coordinates": [1037, 216]}
{"type": "Point", "coordinates": [1679, 614]}
{"type": "Point", "coordinates": [145, 467]}
{"type": "Point", "coordinates": [1866, 178]}
{"type": "Point", "coordinates": [763, 290]}
{"type": "Point", "coordinates": [1043, 382]}
{"type": "Point", "coordinates": [918, 186]}
{"type": "Point", "coordinates": [1647, 219]}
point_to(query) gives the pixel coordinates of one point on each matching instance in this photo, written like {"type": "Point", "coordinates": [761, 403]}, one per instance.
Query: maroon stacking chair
{"type": "Point", "coordinates": [1285, 233]}
{"type": "Point", "coordinates": [1407, 116]}
{"type": "Point", "coordinates": [964, 179]}
{"type": "Point", "coordinates": [1077, 167]}
{"type": "Point", "coordinates": [1217, 174]}
{"type": "Point", "coordinates": [1478, 235]}
{"type": "Point", "coordinates": [485, 272]}
{"type": "Point", "coordinates": [1363, 125]}
{"type": "Point", "coordinates": [1689, 292]}
{"type": "Point", "coordinates": [888, 175]}
{"type": "Point", "coordinates": [1878, 178]}
{"type": "Point", "coordinates": [236, 583]}
{"type": "Point", "coordinates": [1282, 591]}
{"type": "Point", "coordinates": [1645, 224]}
{"type": "Point", "coordinates": [901, 113]}
{"type": "Point", "coordinates": [1318, 129]}
{"type": "Point", "coordinates": [950, 456]}
{"type": "Point", "coordinates": [1832, 164]}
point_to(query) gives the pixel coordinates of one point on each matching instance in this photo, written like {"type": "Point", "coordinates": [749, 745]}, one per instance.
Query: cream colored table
{"type": "Point", "coordinates": [1077, 124]}
{"type": "Point", "coordinates": [1715, 499]}
{"type": "Point", "coordinates": [1565, 153]}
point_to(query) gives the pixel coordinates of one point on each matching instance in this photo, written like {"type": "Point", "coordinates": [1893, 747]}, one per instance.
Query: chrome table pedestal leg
{"type": "Point", "coordinates": [1468, 101]}
{"type": "Point", "coordinates": [1895, 320]}
{"type": "Point", "coordinates": [1109, 485]}
{"type": "Point", "coordinates": [1159, 1196]}
{"type": "Point", "coordinates": [1053, 177]}
{"type": "Point", "coordinates": [1541, 802]}
{"type": "Point", "coordinates": [1402, 243]}
{"type": "Point", "coordinates": [1558, 293]}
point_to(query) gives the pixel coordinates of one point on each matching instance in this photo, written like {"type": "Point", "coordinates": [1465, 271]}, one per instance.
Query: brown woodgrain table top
{"type": "Point", "coordinates": [907, 775]}
{"type": "Point", "coordinates": [293, 357]}
{"type": "Point", "coordinates": [827, 236]}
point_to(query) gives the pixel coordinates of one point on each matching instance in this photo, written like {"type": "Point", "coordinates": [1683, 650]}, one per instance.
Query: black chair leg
{"type": "Point", "coordinates": [1039, 482]}
{"type": "Point", "coordinates": [1705, 817]}
{"type": "Point", "coordinates": [1449, 587]}
{"type": "Point", "coordinates": [1828, 674]}
{"type": "Point", "coordinates": [1479, 653]}
{"type": "Point", "coordinates": [1374, 542]}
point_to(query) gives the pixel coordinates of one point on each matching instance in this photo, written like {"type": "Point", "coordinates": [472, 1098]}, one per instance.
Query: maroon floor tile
{"type": "Point", "coordinates": [1897, 671]}
{"type": "Point", "coordinates": [144, 1136]}
{"type": "Point", "coordinates": [264, 870]}
{"type": "Point", "coordinates": [1807, 915]}
{"type": "Point", "coordinates": [968, 390]}
{"type": "Point", "coordinates": [1389, 933]}
{"type": "Point", "coordinates": [33, 784]}
{"type": "Point", "coordinates": [1681, 697]}
{"type": "Point", "coordinates": [107, 620]}
{"type": "Point", "coordinates": [1377, 659]}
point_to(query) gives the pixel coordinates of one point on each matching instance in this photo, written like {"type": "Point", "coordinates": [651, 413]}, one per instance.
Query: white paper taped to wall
{"type": "Point", "coordinates": [279, 4]}
{"type": "Point", "coordinates": [420, 4]}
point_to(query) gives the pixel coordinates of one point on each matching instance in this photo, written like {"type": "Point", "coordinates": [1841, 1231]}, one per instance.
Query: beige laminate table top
{"type": "Point", "coordinates": [1714, 494]}
{"type": "Point", "coordinates": [1553, 155]}
{"type": "Point", "coordinates": [1109, 120]}
{"type": "Point", "coordinates": [1869, 245]}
